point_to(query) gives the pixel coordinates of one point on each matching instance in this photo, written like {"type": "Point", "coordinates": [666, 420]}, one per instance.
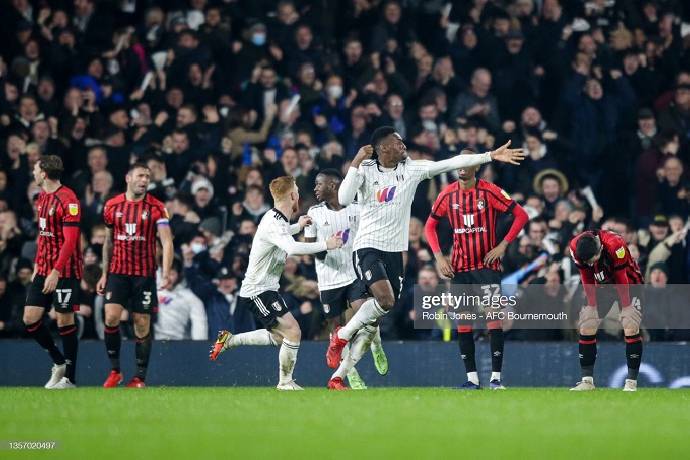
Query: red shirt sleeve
{"type": "Point", "coordinates": [519, 221]}
{"type": "Point", "coordinates": [71, 216]}
{"type": "Point", "coordinates": [108, 214]}
{"type": "Point", "coordinates": [431, 234]}
{"type": "Point", "coordinates": [440, 208]}
{"type": "Point", "coordinates": [71, 211]}
{"type": "Point", "coordinates": [499, 199]}
{"type": "Point", "coordinates": [160, 215]}
{"type": "Point", "coordinates": [619, 253]}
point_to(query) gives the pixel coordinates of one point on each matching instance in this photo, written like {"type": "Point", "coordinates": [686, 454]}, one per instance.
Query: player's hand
{"type": "Point", "coordinates": [496, 253]}
{"type": "Point", "coordinates": [304, 221]}
{"type": "Point", "coordinates": [334, 242]}
{"type": "Point", "coordinates": [506, 155]}
{"type": "Point", "coordinates": [100, 286]}
{"type": "Point", "coordinates": [363, 154]}
{"type": "Point", "coordinates": [443, 266]}
{"type": "Point", "coordinates": [165, 281]}
{"type": "Point", "coordinates": [51, 281]}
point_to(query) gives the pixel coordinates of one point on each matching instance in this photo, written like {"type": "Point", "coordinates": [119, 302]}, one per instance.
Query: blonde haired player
{"type": "Point", "coordinates": [272, 243]}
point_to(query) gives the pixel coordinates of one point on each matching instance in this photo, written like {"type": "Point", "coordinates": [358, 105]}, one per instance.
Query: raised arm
{"type": "Point", "coordinates": [353, 179]}
{"type": "Point", "coordinates": [349, 187]}
{"type": "Point", "coordinates": [503, 154]}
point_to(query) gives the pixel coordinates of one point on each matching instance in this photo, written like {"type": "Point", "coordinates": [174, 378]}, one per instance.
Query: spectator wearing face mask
{"type": "Point", "coordinates": [330, 114]}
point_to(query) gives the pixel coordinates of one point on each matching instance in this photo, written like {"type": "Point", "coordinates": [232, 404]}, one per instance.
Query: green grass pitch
{"type": "Point", "coordinates": [241, 423]}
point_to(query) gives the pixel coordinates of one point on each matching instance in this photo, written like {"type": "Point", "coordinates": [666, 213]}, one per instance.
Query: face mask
{"type": "Point", "coordinates": [335, 91]}
{"type": "Point", "coordinates": [259, 39]}
{"type": "Point", "coordinates": [429, 125]}
{"type": "Point", "coordinates": [197, 247]}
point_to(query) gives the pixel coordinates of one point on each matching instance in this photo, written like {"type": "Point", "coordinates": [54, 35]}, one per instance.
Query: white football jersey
{"type": "Point", "coordinates": [336, 270]}
{"type": "Point", "coordinates": [272, 243]}
{"type": "Point", "coordinates": [385, 197]}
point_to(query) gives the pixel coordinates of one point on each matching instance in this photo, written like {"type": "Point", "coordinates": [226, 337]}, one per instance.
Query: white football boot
{"type": "Point", "coordinates": [289, 386]}
{"type": "Point", "coordinates": [56, 374]}
{"type": "Point", "coordinates": [63, 384]}
{"type": "Point", "coordinates": [587, 384]}
{"type": "Point", "coordinates": [630, 385]}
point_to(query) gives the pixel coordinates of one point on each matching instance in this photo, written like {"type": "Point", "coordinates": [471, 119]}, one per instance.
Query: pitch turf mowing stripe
{"type": "Point", "coordinates": [380, 423]}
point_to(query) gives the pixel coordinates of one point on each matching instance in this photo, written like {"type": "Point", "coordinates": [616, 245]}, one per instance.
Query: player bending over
{"type": "Point", "coordinates": [386, 181]}
{"type": "Point", "coordinates": [338, 283]}
{"type": "Point", "coordinates": [603, 258]}
{"type": "Point", "coordinates": [272, 243]}
{"type": "Point", "coordinates": [129, 269]}
{"type": "Point", "coordinates": [57, 271]}
{"type": "Point", "coordinates": [471, 207]}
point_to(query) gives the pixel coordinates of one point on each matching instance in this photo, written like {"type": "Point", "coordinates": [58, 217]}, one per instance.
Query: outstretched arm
{"type": "Point", "coordinates": [458, 162]}
{"type": "Point", "coordinates": [503, 154]}
{"type": "Point", "coordinates": [295, 248]}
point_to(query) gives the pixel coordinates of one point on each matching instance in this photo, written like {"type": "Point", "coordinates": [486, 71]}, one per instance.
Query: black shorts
{"type": "Point", "coordinates": [482, 280]}
{"type": "Point", "coordinates": [607, 296]}
{"type": "Point", "coordinates": [136, 293]}
{"type": "Point", "coordinates": [483, 283]}
{"type": "Point", "coordinates": [336, 301]}
{"type": "Point", "coordinates": [373, 265]}
{"type": "Point", "coordinates": [267, 307]}
{"type": "Point", "coordinates": [65, 298]}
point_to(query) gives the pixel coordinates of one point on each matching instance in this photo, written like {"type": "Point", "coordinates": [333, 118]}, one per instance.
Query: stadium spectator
{"type": "Point", "coordinates": [220, 300]}
{"type": "Point", "coordinates": [181, 314]}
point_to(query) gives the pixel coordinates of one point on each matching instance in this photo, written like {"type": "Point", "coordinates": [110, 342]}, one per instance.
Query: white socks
{"type": "Point", "coordinates": [495, 376]}
{"type": "Point", "coordinates": [257, 337]}
{"type": "Point", "coordinates": [359, 345]}
{"type": "Point", "coordinates": [376, 340]}
{"type": "Point", "coordinates": [367, 314]}
{"type": "Point", "coordinates": [473, 377]}
{"type": "Point", "coordinates": [287, 359]}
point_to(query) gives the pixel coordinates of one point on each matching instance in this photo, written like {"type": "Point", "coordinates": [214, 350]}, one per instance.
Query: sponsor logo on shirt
{"type": "Point", "coordinates": [42, 224]}
{"type": "Point", "coordinates": [130, 230]}
{"type": "Point", "coordinates": [344, 234]}
{"type": "Point", "coordinates": [468, 220]}
{"type": "Point", "coordinates": [386, 194]}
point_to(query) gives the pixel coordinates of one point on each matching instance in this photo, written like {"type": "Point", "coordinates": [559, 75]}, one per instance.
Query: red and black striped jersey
{"type": "Point", "coordinates": [55, 211]}
{"type": "Point", "coordinates": [134, 225]}
{"type": "Point", "coordinates": [615, 256]}
{"type": "Point", "coordinates": [472, 214]}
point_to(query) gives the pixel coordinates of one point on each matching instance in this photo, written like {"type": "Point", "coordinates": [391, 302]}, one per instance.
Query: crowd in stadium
{"type": "Point", "coordinates": [220, 97]}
